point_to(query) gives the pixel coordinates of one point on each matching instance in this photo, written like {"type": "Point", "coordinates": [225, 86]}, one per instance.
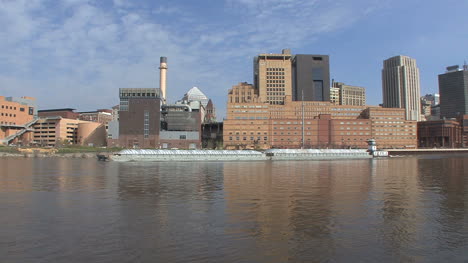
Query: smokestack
{"type": "Point", "coordinates": [162, 77]}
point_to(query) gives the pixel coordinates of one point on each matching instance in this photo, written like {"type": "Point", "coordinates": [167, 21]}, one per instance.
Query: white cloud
{"type": "Point", "coordinates": [89, 50]}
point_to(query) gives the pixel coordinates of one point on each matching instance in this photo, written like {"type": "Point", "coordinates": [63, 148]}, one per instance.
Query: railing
{"type": "Point", "coordinates": [25, 128]}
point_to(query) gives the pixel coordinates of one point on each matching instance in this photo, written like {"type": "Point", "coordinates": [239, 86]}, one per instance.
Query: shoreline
{"type": "Point", "coordinates": [83, 155]}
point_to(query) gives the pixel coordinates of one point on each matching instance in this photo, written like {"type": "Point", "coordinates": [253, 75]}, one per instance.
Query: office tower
{"type": "Point", "coordinates": [350, 95]}
{"type": "Point", "coordinates": [139, 117]}
{"type": "Point", "coordinates": [453, 89]}
{"type": "Point", "coordinates": [311, 78]}
{"type": "Point", "coordinates": [272, 76]}
{"type": "Point", "coordinates": [400, 86]}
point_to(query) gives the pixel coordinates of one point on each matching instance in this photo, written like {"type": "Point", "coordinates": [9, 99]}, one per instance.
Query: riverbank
{"type": "Point", "coordinates": [65, 152]}
{"type": "Point", "coordinates": [46, 155]}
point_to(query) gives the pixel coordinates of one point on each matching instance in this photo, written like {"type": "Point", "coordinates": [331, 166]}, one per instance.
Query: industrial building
{"type": "Point", "coordinates": [146, 120]}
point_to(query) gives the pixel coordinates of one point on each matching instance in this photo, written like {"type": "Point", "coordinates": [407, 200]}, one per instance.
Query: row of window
{"type": "Point", "coordinates": [250, 106]}
{"type": "Point", "coordinates": [251, 118]}
{"type": "Point", "coordinates": [275, 81]}
{"type": "Point", "coordinates": [245, 133]}
{"type": "Point", "coordinates": [275, 93]}
{"type": "Point", "coordinates": [275, 69]}
{"type": "Point", "coordinates": [7, 123]}
{"type": "Point", "coordinates": [275, 85]}
{"type": "Point", "coordinates": [8, 114]}
{"type": "Point", "coordinates": [138, 94]}
{"type": "Point", "coordinates": [269, 73]}
{"type": "Point", "coordinates": [251, 138]}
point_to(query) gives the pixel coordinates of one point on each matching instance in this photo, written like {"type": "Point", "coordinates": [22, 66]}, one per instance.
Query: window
{"type": "Point", "coordinates": [146, 124]}
{"type": "Point", "coordinates": [183, 137]}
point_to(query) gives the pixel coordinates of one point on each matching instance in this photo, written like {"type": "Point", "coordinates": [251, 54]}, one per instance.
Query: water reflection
{"type": "Point", "coordinates": [387, 210]}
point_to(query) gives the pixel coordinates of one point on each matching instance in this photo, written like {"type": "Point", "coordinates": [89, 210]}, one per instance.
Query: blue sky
{"type": "Point", "coordinates": [77, 53]}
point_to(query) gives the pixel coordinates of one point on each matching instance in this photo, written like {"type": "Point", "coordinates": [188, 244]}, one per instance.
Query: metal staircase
{"type": "Point", "coordinates": [25, 128]}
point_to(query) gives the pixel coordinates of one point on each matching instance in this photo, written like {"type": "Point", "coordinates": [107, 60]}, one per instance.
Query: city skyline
{"type": "Point", "coordinates": [54, 49]}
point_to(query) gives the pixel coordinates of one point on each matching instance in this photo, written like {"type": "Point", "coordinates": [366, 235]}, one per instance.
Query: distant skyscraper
{"type": "Point", "coordinates": [453, 89]}
{"type": "Point", "coordinates": [272, 76]}
{"type": "Point", "coordinates": [400, 86]}
{"type": "Point", "coordinates": [311, 78]}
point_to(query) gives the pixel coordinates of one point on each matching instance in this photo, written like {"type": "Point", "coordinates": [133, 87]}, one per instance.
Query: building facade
{"type": "Point", "coordinates": [67, 113]}
{"type": "Point", "coordinates": [348, 95]}
{"type": "Point", "coordinates": [453, 89]}
{"type": "Point", "coordinates": [440, 134]}
{"type": "Point", "coordinates": [16, 117]}
{"type": "Point", "coordinates": [139, 118]}
{"type": "Point", "coordinates": [273, 76]}
{"type": "Point", "coordinates": [56, 131]}
{"type": "Point", "coordinates": [311, 77]}
{"type": "Point", "coordinates": [103, 116]}
{"type": "Point", "coordinates": [311, 124]}
{"type": "Point", "coordinates": [401, 86]}
{"type": "Point", "coordinates": [335, 95]}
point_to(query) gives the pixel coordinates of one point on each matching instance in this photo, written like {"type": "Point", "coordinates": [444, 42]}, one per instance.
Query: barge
{"type": "Point", "coordinates": [148, 155]}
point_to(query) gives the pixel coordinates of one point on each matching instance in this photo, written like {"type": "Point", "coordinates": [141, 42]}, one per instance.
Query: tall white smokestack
{"type": "Point", "coordinates": [162, 77]}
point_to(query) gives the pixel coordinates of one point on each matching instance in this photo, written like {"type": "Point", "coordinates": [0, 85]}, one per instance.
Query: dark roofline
{"type": "Point", "coordinates": [52, 110]}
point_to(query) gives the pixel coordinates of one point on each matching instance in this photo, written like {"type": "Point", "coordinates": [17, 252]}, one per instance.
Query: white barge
{"type": "Point", "coordinates": [130, 155]}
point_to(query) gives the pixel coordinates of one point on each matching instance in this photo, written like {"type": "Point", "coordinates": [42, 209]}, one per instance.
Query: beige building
{"type": "Point", "coordinates": [335, 95]}
{"type": "Point", "coordinates": [348, 95]}
{"type": "Point", "coordinates": [58, 131]}
{"type": "Point", "coordinates": [401, 86]}
{"type": "Point", "coordinates": [272, 73]}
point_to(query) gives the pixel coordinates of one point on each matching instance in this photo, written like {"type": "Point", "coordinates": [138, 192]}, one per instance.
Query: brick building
{"type": "Point", "coordinates": [250, 123]}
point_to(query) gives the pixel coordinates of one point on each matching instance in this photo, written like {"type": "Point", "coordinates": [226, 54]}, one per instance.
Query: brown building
{"type": "Point", "coordinates": [252, 124]}
{"type": "Point", "coordinates": [441, 134]}
{"type": "Point", "coordinates": [210, 115]}
{"type": "Point", "coordinates": [16, 116]}
{"type": "Point", "coordinates": [67, 113]}
{"type": "Point", "coordinates": [139, 118]}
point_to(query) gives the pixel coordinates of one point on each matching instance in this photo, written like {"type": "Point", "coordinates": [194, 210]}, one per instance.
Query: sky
{"type": "Point", "coordinates": [78, 53]}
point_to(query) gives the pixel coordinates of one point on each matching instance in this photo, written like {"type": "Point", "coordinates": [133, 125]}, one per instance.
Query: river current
{"type": "Point", "coordinates": [409, 209]}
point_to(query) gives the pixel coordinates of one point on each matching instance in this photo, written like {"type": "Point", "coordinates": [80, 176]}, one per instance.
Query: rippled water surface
{"type": "Point", "coordinates": [411, 209]}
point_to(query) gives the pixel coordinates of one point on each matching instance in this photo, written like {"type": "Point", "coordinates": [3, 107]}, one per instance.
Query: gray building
{"type": "Point", "coordinates": [311, 78]}
{"type": "Point", "coordinates": [401, 87]}
{"type": "Point", "coordinates": [453, 89]}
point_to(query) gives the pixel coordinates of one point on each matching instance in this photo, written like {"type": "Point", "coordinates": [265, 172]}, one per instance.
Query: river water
{"type": "Point", "coordinates": [411, 209]}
